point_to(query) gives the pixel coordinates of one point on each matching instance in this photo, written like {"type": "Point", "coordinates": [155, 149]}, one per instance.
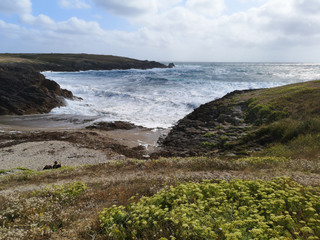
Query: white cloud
{"type": "Point", "coordinates": [41, 21]}
{"type": "Point", "coordinates": [71, 26]}
{"type": "Point", "coordinates": [132, 8]}
{"type": "Point", "coordinates": [15, 6]}
{"type": "Point", "coordinates": [209, 8]}
{"type": "Point", "coordinates": [182, 30]}
{"type": "Point", "coordinates": [166, 4]}
{"type": "Point", "coordinates": [9, 30]}
{"type": "Point", "coordinates": [69, 4]}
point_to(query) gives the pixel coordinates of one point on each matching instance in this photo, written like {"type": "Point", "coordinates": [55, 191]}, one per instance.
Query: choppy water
{"type": "Point", "coordinates": [160, 97]}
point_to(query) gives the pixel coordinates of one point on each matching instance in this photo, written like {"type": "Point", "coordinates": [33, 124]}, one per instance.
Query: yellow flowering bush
{"type": "Point", "coordinates": [277, 209]}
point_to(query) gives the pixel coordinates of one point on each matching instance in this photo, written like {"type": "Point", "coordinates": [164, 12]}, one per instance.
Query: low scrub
{"type": "Point", "coordinates": [302, 147]}
{"type": "Point", "coordinates": [288, 129]}
{"type": "Point", "coordinates": [279, 209]}
{"type": "Point", "coordinates": [41, 213]}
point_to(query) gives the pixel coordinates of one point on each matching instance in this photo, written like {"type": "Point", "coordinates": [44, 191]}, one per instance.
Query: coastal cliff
{"type": "Point", "coordinates": [23, 90]}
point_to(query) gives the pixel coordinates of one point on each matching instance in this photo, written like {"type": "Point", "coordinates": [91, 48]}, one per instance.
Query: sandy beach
{"type": "Point", "coordinates": [34, 141]}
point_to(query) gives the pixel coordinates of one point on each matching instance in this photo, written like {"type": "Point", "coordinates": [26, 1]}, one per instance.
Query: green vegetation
{"type": "Point", "coordinates": [296, 101]}
{"type": "Point", "coordinates": [39, 214]}
{"type": "Point", "coordinates": [286, 120]}
{"type": "Point", "coordinates": [209, 144]}
{"type": "Point", "coordinates": [69, 210]}
{"type": "Point", "coordinates": [209, 135]}
{"type": "Point", "coordinates": [279, 209]}
{"type": "Point", "coordinates": [66, 191]}
{"type": "Point", "coordinates": [302, 147]}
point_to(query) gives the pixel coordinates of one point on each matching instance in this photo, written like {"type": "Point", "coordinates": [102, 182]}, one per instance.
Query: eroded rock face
{"type": "Point", "coordinates": [23, 90]}
{"type": "Point", "coordinates": [214, 127]}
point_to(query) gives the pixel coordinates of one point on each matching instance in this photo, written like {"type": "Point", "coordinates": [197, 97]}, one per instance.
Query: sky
{"type": "Point", "coordinates": [165, 30]}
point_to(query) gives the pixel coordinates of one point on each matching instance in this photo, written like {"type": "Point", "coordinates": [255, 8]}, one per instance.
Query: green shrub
{"type": "Point", "coordinates": [279, 209]}
{"type": "Point", "coordinates": [66, 191]}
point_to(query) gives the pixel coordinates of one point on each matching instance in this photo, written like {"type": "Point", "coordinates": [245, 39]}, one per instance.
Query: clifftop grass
{"type": "Point", "coordinates": [285, 118]}
{"type": "Point", "coordinates": [297, 102]}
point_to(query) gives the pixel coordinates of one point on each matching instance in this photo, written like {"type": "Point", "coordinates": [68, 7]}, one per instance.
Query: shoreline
{"type": "Point", "coordinates": [32, 141]}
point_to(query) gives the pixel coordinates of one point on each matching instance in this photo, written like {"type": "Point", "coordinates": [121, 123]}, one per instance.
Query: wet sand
{"type": "Point", "coordinates": [33, 141]}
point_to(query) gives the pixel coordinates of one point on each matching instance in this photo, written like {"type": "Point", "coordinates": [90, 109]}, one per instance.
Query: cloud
{"type": "Point", "coordinates": [209, 8]}
{"type": "Point", "coordinates": [9, 30]}
{"type": "Point", "coordinates": [166, 4]}
{"type": "Point", "coordinates": [15, 6]}
{"type": "Point", "coordinates": [132, 8]}
{"type": "Point", "coordinates": [180, 30]}
{"type": "Point", "coordinates": [72, 26]}
{"type": "Point", "coordinates": [290, 20]}
{"type": "Point", "coordinates": [69, 4]}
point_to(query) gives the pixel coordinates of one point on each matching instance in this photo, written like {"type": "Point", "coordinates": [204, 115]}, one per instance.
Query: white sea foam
{"type": "Point", "coordinates": [160, 97]}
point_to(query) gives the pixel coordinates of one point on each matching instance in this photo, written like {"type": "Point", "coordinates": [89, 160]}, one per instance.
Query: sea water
{"type": "Point", "coordinates": [158, 98]}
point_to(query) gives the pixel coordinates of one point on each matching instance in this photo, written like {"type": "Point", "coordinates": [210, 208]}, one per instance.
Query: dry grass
{"type": "Point", "coordinates": [8, 59]}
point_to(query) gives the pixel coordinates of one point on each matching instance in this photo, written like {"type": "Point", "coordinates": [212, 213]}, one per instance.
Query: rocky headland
{"type": "Point", "coordinates": [24, 90]}
{"type": "Point", "coordinates": [245, 122]}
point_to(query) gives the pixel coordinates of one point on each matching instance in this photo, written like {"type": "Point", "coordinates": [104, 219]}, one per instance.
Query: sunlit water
{"type": "Point", "coordinates": [160, 97]}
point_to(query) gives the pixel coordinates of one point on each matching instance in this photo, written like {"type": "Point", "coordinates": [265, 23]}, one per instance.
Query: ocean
{"type": "Point", "coordinates": [158, 98]}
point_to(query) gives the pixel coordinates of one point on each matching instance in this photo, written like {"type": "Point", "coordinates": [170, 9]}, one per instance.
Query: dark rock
{"type": "Point", "coordinates": [171, 65]}
{"type": "Point", "coordinates": [108, 126]}
{"type": "Point", "coordinates": [23, 90]}
{"type": "Point", "coordinates": [214, 127]}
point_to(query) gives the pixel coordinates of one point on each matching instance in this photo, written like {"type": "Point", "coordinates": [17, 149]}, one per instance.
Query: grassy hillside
{"type": "Point", "coordinates": [286, 120]}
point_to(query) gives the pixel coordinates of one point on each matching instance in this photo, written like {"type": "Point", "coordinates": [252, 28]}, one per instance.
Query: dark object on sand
{"type": "Point", "coordinates": [46, 167]}
{"type": "Point", "coordinates": [56, 164]}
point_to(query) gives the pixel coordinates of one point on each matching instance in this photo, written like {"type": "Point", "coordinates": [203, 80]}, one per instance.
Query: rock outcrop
{"type": "Point", "coordinates": [23, 90]}
{"type": "Point", "coordinates": [171, 65]}
{"type": "Point", "coordinates": [213, 127]}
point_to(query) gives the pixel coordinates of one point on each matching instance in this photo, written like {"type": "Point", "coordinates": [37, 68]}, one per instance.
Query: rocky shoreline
{"type": "Point", "coordinates": [24, 90]}
{"type": "Point", "coordinates": [236, 125]}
